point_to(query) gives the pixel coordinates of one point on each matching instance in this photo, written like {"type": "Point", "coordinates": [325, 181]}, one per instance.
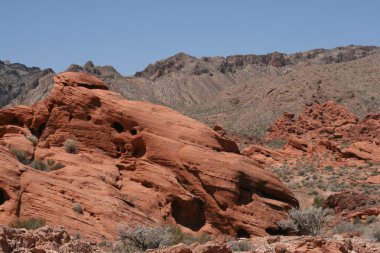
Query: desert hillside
{"type": "Point", "coordinates": [107, 168]}
{"type": "Point", "coordinates": [90, 160]}
{"type": "Point", "coordinates": [242, 93]}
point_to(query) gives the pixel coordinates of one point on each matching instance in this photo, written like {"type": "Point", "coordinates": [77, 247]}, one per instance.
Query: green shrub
{"type": "Point", "coordinates": [371, 219]}
{"type": "Point", "coordinates": [70, 146]}
{"type": "Point", "coordinates": [372, 232]}
{"type": "Point", "coordinates": [30, 224]}
{"type": "Point", "coordinates": [318, 201]}
{"type": "Point", "coordinates": [77, 208]}
{"type": "Point", "coordinates": [52, 165]}
{"type": "Point", "coordinates": [141, 237]}
{"type": "Point", "coordinates": [49, 165]}
{"type": "Point", "coordinates": [33, 139]}
{"type": "Point", "coordinates": [369, 231]}
{"type": "Point", "coordinates": [276, 143]}
{"type": "Point", "coordinates": [329, 168]}
{"type": "Point", "coordinates": [308, 221]}
{"type": "Point", "coordinates": [243, 245]}
{"type": "Point", "coordinates": [20, 155]}
{"type": "Point", "coordinates": [346, 227]}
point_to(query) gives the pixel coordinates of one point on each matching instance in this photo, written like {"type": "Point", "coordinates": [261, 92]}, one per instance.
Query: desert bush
{"type": "Point", "coordinates": [371, 219]}
{"type": "Point", "coordinates": [78, 208]}
{"type": "Point", "coordinates": [70, 146]}
{"type": "Point", "coordinates": [369, 231]}
{"type": "Point", "coordinates": [21, 156]}
{"type": "Point", "coordinates": [346, 227]}
{"type": "Point", "coordinates": [143, 237]}
{"type": "Point", "coordinates": [308, 221]}
{"type": "Point", "coordinates": [372, 232]}
{"type": "Point", "coordinates": [177, 236]}
{"type": "Point", "coordinates": [30, 224]}
{"type": "Point", "coordinates": [49, 165]}
{"type": "Point", "coordinates": [203, 238]}
{"type": "Point", "coordinates": [33, 139]}
{"type": "Point", "coordinates": [318, 201]}
{"type": "Point", "coordinates": [38, 165]}
{"type": "Point", "coordinates": [243, 245]}
{"type": "Point", "coordinates": [276, 144]}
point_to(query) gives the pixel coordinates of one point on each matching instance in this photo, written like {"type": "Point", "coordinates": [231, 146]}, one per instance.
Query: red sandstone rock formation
{"type": "Point", "coordinates": [347, 201]}
{"type": "Point", "coordinates": [136, 163]}
{"type": "Point", "coordinates": [42, 240]}
{"type": "Point", "coordinates": [320, 129]}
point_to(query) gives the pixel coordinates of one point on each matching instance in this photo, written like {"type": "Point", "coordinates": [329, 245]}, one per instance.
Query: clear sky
{"type": "Point", "coordinates": [131, 34]}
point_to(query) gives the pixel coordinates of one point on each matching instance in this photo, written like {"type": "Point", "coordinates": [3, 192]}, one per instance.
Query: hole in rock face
{"type": "Point", "coordinates": [95, 101]}
{"type": "Point", "coordinates": [245, 190]}
{"type": "Point", "coordinates": [3, 196]}
{"type": "Point", "coordinates": [242, 233]}
{"type": "Point", "coordinates": [41, 129]}
{"type": "Point", "coordinates": [189, 213]}
{"type": "Point", "coordinates": [275, 231]}
{"type": "Point", "coordinates": [118, 127]}
{"type": "Point", "coordinates": [88, 118]}
{"type": "Point", "coordinates": [139, 148]}
{"type": "Point", "coordinates": [133, 131]}
{"type": "Point", "coordinates": [15, 121]}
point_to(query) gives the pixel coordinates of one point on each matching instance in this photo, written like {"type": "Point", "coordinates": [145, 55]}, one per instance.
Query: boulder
{"type": "Point", "coordinates": [136, 163]}
{"type": "Point", "coordinates": [347, 201]}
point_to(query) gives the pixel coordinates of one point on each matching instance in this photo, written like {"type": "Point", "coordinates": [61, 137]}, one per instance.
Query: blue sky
{"type": "Point", "coordinates": [131, 34]}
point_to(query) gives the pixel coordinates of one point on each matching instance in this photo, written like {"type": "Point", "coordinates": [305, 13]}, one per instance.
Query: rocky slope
{"type": "Point", "coordinates": [137, 163]}
{"type": "Point", "coordinates": [328, 128]}
{"type": "Point", "coordinates": [246, 93]}
{"type": "Point", "coordinates": [324, 149]}
{"type": "Point", "coordinates": [42, 240]}
{"type": "Point", "coordinates": [47, 239]}
{"type": "Point", "coordinates": [17, 80]}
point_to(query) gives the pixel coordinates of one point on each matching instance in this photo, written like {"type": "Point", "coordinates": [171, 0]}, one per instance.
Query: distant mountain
{"type": "Point", "coordinates": [243, 93]}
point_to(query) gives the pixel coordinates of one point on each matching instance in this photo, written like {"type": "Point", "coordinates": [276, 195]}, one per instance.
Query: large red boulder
{"type": "Point", "coordinates": [136, 162]}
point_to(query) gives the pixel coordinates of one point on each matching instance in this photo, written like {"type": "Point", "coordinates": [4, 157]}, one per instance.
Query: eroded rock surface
{"type": "Point", "coordinates": [42, 240]}
{"type": "Point", "coordinates": [136, 163]}
{"type": "Point", "coordinates": [328, 131]}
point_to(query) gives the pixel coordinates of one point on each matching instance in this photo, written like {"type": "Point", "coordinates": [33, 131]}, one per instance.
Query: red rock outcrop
{"type": "Point", "coordinates": [136, 163]}
{"type": "Point", "coordinates": [347, 201]}
{"type": "Point", "coordinates": [45, 239]}
{"type": "Point", "coordinates": [321, 129]}
{"type": "Point", "coordinates": [210, 247]}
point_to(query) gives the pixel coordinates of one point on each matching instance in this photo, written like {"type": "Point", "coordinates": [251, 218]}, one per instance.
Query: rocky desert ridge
{"type": "Point", "coordinates": [141, 163]}
{"type": "Point", "coordinates": [242, 93]}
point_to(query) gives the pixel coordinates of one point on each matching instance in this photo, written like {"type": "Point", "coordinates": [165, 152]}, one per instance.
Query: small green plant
{"type": "Point", "coordinates": [301, 173]}
{"type": "Point", "coordinates": [318, 201]}
{"type": "Point", "coordinates": [21, 156]}
{"type": "Point", "coordinates": [242, 245]}
{"type": "Point", "coordinates": [70, 146]}
{"type": "Point", "coordinates": [371, 219]}
{"type": "Point", "coordinates": [345, 144]}
{"type": "Point", "coordinates": [275, 143]}
{"type": "Point", "coordinates": [33, 139]}
{"type": "Point", "coordinates": [329, 168]}
{"type": "Point", "coordinates": [77, 236]}
{"type": "Point", "coordinates": [78, 208]}
{"type": "Point", "coordinates": [49, 165]}
{"type": "Point", "coordinates": [370, 231]}
{"type": "Point", "coordinates": [30, 224]}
